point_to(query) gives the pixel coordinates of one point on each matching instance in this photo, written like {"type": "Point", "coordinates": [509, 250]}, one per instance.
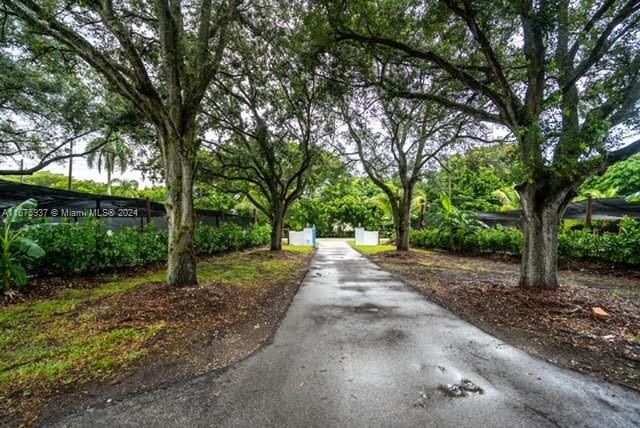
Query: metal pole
{"type": "Point", "coordinates": [147, 206]}
{"type": "Point", "coordinates": [70, 166]}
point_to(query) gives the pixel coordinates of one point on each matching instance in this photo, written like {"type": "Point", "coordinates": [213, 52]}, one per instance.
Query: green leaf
{"type": "Point", "coordinates": [18, 274]}
{"type": "Point", "coordinates": [634, 197]}
{"type": "Point", "coordinates": [19, 213]}
{"type": "Point", "coordinates": [446, 202]}
{"type": "Point", "coordinates": [29, 247]}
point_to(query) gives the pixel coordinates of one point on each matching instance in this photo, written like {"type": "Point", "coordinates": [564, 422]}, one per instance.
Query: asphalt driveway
{"type": "Point", "coordinates": [359, 348]}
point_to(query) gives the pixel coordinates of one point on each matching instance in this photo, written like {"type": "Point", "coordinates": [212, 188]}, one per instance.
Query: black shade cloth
{"type": "Point", "coordinates": [602, 209]}
{"type": "Point", "coordinates": [12, 193]}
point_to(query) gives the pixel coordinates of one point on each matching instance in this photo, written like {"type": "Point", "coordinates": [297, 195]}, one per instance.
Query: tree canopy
{"type": "Point", "coordinates": [563, 78]}
{"type": "Point", "coordinates": [256, 98]}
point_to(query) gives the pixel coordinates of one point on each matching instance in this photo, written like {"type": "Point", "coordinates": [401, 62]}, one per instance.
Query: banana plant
{"type": "Point", "coordinates": [452, 222]}
{"type": "Point", "coordinates": [17, 249]}
{"type": "Point", "coordinates": [508, 197]}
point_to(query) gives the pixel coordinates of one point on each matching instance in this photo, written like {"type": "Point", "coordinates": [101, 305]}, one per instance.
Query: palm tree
{"type": "Point", "coordinates": [127, 187]}
{"type": "Point", "coordinates": [420, 201]}
{"type": "Point", "coordinates": [115, 153]}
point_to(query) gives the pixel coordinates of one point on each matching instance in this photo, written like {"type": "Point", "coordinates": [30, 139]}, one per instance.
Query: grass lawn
{"type": "Point", "coordinates": [304, 249]}
{"type": "Point", "coordinates": [372, 249]}
{"type": "Point", "coordinates": [72, 337]}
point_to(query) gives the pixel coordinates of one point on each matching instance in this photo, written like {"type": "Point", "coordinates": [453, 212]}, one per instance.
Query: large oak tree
{"type": "Point", "coordinates": [161, 55]}
{"type": "Point", "coordinates": [563, 77]}
{"type": "Point", "coordinates": [395, 140]}
{"type": "Point", "coordinates": [266, 117]}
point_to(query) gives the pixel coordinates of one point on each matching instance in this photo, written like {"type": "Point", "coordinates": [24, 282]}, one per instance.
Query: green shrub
{"type": "Point", "coordinates": [622, 247]}
{"type": "Point", "coordinates": [69, 247]}
{"type": "Point", "coordinates": [230, 236]}
{"type": "Point", "coordinates": [259, 235]}
{"type": "Point", "coordinates": [133, 247]}
{"type": "Point", "coordinates": [452, 224]}
{"type": "Point", "coordinates": [16, 250]}
{"type": "Point", "coordinates": [502, 239]}
{"type": "Point", "coordinates": [89, 247]}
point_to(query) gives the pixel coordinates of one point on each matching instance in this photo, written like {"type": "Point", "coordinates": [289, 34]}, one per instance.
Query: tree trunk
{"type": "Point", "coordinates": [404, 220]}
{"type": "Point", "coordinates": [404, 227]}
{"type": "Point", "coordinates": [278, 214]}
{"type": "Point", "coordinates": [179, 156]}
{"type": "Point", "coordinates": [543, 210]}
{"type": "Point", "coordinates": [108, 182]}
{"type": "Point", "coordinates": [276, 232]}
{"type": "Point", "coordinates": [395, 213]}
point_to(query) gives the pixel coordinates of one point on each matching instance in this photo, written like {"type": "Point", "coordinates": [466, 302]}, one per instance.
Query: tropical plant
{"type": "Point", "coordinates": [126, 187]}
{"type": "Point", "coordinates": [16, 249]}
{"type": "Point", "coordinates": [452, 222]}
{"type": "Point", "coordinates": [420, 202]}
{"type": "Point", "coordinates": [508, 197]}
{"type": "Point", "coordinates": [634, 197]}
{"type": "Point", "coordinates": [620, 179]}
{"type": "Point", "coordinates": [112, 154]}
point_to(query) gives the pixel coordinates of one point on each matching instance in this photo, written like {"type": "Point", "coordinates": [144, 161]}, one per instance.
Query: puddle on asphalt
{"type": "Point", "coordinates": [332, 314]}
{"type": "Point", "coordinates": [393, 336]}
{"type": "Point", "coordinates": [368, 308]}
{"type": "Point", "coordinates": [357, 288]}
{"type": "Point", "coordinates": [461, 389]}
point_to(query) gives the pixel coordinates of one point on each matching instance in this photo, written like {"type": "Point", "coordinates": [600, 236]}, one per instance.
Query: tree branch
{"type": "Point", "coordinates": [44, 163]}
{"type": "Point", "coordinates": [431, 57]}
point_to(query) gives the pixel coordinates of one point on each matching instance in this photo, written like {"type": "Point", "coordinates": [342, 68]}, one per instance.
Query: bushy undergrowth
{"type": "Point", "coordinates": [89, 247]}
{"type": "Point", "coordinates": [622, 247]}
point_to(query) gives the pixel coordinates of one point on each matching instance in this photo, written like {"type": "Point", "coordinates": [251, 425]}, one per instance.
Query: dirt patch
{"type": "Point", "coordinates": [204, 328]}
{"type": "Point", "coordinates": [556, 325]}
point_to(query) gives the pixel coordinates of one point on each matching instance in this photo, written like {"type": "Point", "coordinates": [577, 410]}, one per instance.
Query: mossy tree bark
{"type": "Point", "coordinates": [179, 154]}
{"type": "Point", "coordinates": [542, 215]}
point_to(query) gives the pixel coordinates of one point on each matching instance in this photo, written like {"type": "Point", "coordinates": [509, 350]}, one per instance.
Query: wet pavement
{"type": "Point", "coordinates": [359, 348]}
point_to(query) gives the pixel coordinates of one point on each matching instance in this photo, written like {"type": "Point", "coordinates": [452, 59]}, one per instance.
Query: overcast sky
{"type": "Point", "coordinates": [82, 171]}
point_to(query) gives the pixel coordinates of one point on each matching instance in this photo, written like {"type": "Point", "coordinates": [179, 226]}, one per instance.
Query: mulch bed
{"type": "Point", "coordinates": [47, 286]}
{"type": "Point", "coordinates": [556, 325]}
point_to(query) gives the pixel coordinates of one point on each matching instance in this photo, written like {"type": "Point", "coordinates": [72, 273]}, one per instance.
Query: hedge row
{"type": "Point", "coordinates": [622, 247]}
{"type": "Point", "coordinates": [89, 247]}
